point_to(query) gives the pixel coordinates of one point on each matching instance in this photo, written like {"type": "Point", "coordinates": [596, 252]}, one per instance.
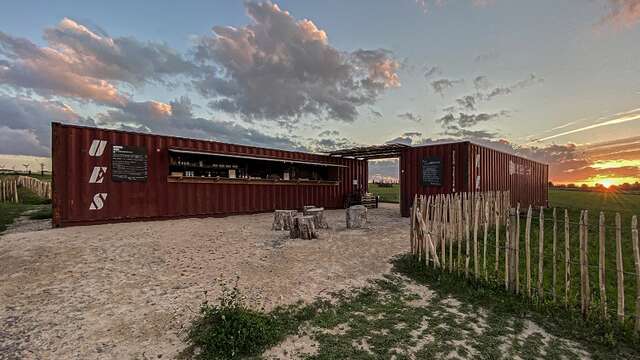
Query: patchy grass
{"type": "Point", "coordinates": [411, 313]}
{"type": "Point", "coordinates": [512, 312]}
{"type": "Point", "coordinates": [42, 213]}
{"type": "Point", "coordinates": [28, 201]}
{"type": "Point", "coordinates": [9, 212]}
{"type": "Point", "coordinates": [387, 194]}
{"type": "Point", "coordinates": [229, 329]}
{"type": "Point", "coordinates": [28, 197]}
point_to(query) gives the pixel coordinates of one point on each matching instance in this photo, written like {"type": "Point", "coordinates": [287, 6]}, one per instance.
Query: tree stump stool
{"type": "Point", "coordinates": [282, 219]}
{"type": "Point", "coordinates": [302, 227]}
{"type": "Point", "coordinates": [356, 217]}
{"type": "Point", "coordinates": [318, 217]}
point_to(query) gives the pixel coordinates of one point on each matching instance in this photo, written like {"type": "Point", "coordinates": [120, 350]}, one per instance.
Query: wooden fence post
{"type": "Point", "coordinates": [620, 268]}
{"type": "Point", "coordinates": [443, 232]}
{"type": "Point", "coordinates": [486, 218]}
{"type": "Point", "coordinates": [412, 225]}
{"type": "Point", "coordinates": [460, 232]}
{"type": "Point", "coordinates": [451, 232]}
{"type": "Point", "coordinates": [516, 245]}
{"type": "Point", "coordinates": [584, 264]}
{"type": "Point", "coordinates": [567, 259]}
{"type": "Point", "coordinates": [507, 240]}
{"type": "Point", "coordinates": [15, 191]}
{"type": "Point", "coordinates": [555, 260]}
{"type": "Point", "coordinates": [541, 256]}
{"type": "Point", "coordinates": [636, 256]}
{"type": "Point", "coordinates": [511, 253]}
{"type": "Point", "coordinates": [601, 265]}
{"type": "Point", "coordinates": [527, 250]}
{"type": "Point", "coordinates": [476, 258]}
{"type": "Point", "coordinates": [497, 211]}
{"type": "Point", "coordinates": [467, 215]}
{"type": "Point", "coordinates": [429, 242]}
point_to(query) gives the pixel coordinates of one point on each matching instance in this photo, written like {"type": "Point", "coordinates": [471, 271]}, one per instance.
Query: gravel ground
{"type": "Point", "coordinates": [127, 290]}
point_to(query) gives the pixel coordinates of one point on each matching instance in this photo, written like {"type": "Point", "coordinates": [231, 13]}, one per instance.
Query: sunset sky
{"type": "Point", "coordinates": [556, 81]}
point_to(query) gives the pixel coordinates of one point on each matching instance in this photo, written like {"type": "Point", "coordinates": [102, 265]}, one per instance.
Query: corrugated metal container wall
{"type": "Point", "coordinates": [157, 198]}
{"type": "Point", "coordinates": [453, 157]}
{"type": "Point", "coordinates": [491, 169]}
{"type": "Point", "coordinates": [477, 168]}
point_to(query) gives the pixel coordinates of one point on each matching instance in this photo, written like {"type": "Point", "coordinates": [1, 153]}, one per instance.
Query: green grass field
{"type": "Point", "coordinates": [387, 194]}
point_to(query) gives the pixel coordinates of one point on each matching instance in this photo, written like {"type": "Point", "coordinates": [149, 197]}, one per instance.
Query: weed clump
{"type": "Point", "coordinates": [229, 329]}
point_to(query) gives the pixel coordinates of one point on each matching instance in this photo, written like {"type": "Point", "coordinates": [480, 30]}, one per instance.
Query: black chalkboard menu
{"type": "Point", "coordinates": [431, 171]}
{"type": "Point", "coordinates": [128, 163]}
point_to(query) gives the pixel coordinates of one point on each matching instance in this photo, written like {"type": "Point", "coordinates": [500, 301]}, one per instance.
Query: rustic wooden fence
{"type": "Point", "coordinates": [39, 187]}
{"type": "Point", "coordinates": [9, 190]}
{"type": "Point", "coordinates": [445, 235]}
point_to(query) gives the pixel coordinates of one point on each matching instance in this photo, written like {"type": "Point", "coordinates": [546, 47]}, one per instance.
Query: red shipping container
{"type": "Point", "coordinates": [84, 191]}
{"type": "Point", "coordinates": [469, 167]}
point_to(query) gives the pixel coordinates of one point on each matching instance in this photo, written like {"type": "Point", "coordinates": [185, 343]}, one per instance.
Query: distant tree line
{"type": "Point", "coordinates": [626, 187]}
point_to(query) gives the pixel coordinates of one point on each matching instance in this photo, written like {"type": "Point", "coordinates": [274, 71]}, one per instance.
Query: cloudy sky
{"type": "Point", "coordinates": [558, 81]}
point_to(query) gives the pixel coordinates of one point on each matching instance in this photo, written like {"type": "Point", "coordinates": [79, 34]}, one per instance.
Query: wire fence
{"type": "Point", "coordinates": [546, 257]}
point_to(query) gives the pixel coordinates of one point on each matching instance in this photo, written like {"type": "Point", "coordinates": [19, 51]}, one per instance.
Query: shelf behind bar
{"type": "Point", "coordinates": [248, 157]}
{"type": "Point", "coordinates": [212, 180]}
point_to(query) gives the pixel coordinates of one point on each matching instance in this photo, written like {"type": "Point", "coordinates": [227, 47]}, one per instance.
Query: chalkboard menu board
{"type": "Point", "coordinates": [432, 171]}
{"type": "Point", "coordinates": [128, 163]}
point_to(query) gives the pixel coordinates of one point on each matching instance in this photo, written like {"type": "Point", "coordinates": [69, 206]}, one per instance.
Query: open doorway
{"type": "Point", "coordinates": [384, 180]}
{"type": "Point", "coordinates": [383, 169]}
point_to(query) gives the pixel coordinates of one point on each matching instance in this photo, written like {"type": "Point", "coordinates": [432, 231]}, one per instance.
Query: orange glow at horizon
{"type": "Point", "coordinates": [604, 181]}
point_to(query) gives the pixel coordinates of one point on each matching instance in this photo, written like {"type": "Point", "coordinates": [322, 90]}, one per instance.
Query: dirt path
{"type": "Point", "coordinates": [126, 290]}
{"type": "Point", "coordinates": [24, 223]}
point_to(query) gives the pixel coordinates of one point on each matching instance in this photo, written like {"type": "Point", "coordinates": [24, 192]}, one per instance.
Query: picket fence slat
{"type": "Point", "coordinates": [567, 259]}
{"type": "Point", "coordinates": [601, 265]}
{"type": "Point", "coordinates": [517, 250]}
{"type": "Point", "coordinates": [636, 257]}
{"type": "Point", "coordinates": [554, 244]}
{"type": "Point", "coordinates": [527, 250]}
{"type": "Point", "coordinates": [541, 256]}
{"type": "Point", "coordinates": [620, 268]}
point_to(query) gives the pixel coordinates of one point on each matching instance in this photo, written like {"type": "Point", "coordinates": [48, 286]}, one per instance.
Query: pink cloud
{"type": "Point", "coordinates": [625, 13]}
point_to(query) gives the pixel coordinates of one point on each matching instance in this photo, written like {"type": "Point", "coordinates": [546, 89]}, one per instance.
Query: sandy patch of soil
{"type": "Point", "coordinates": [293, 347]}
{"type": "Point", "coordinates": [128, 290]}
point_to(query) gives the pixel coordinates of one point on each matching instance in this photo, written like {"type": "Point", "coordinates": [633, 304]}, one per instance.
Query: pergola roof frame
{"type": "Point", "coordinates": [371, 152]}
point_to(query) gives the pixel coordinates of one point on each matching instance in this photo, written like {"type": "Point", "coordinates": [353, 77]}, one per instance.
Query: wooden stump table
{"type": "Point", "coordinates": [356, 217]}
{"type": "Point", "coordinates": [302, 227]}
{"type": "Point", "coordinates": [282, 219]}
{"type": "Point", "coordinates": [318, 217]}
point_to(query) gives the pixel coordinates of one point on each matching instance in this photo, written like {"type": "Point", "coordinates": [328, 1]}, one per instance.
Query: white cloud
{"type": "Point", "coordinates": [281, 68]}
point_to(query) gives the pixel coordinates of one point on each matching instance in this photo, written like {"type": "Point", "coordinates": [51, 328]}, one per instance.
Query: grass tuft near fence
{"type": "Point", "coordinates": [588, 264]}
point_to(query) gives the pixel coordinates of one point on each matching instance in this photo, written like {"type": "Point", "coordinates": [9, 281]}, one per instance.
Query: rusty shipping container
{"type": "Point", "coordinates": [87, 191]}
{"type": "Point", "coordinates": [468, 167]}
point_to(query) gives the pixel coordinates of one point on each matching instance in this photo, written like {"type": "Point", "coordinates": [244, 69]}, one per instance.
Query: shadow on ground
{"type": "Point", "coordinates": [402, 316]}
